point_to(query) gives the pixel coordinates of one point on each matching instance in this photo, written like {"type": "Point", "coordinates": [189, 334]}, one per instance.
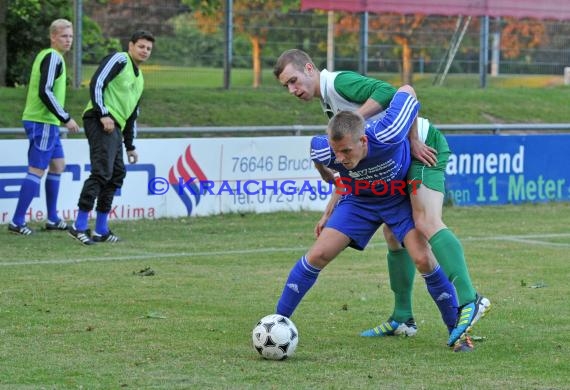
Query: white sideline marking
{"type": "Point", "coordinates": [529, 239]}
{"type": "Point", "coordinates": [546, 243]}
{"type": "Point", "coordinates": [150, 256]}
{"type": "Point", "coordinates": [526, 239]}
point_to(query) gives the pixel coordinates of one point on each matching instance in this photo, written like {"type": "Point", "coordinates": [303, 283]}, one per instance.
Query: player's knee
{"type": "Point", "coordinates": [428, 225]}
{"type": "Point", "coordinates": [319, 257]}
{"type": "Point", "coordinates": [421, 223]}
{"type": "Point", "coordinates": [36, 171]}
{"type": "Point", "coordinates": [56, 165]}
{"type": "Point", "coordinates": [57, 170]}
{"type": "Point", "coordinates": [391, 240]}
{"type": "Point", "coordinates": [423, 262]}
{"type": "Point", "coordinates": [118, 178]}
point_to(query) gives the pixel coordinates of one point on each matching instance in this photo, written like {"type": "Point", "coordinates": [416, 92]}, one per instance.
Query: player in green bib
{"type": "Point", "coordinates": [347, 90]}
{"type": "Point", "coordinates": [43, 114]}
{"type": "Point", "coordinates": [109, 121]}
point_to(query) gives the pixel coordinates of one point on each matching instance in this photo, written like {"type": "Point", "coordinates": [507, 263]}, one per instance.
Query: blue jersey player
{"type": "Point", "coordinates": [346, 90]}
{"type": "Point", "coordinates": [372, 160]}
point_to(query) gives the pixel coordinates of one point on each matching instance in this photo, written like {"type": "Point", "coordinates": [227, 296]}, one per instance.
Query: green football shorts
{"type": "Point", "coordinates": [431, 177]}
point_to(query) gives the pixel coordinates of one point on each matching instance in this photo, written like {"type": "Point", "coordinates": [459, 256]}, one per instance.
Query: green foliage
{"type": "Point", "coordinates": [267, 22]}
{"type": "Point", "coordinates": [294, 32]}
{"type": "Point", "coordinates": [24, 10]}
{"type": "Point", "coordinates": [95, 45]}
{"type": "Point", "coordinates": [208, 7]}
{"type": "Point", "coordinates": [27, 26]}
{"type": "Point", "coordinates": [189, 46]}
{"type": "Point", "coordinates": [211, 7]}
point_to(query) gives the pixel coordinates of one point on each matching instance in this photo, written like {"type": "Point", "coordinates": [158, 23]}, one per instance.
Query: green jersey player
{"type": "Point", "coordinates": [370, 97]}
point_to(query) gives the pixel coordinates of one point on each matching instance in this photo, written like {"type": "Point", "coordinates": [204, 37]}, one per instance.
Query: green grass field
{"type": "Point", "coordinates": [194, 97]}
{"type": "Point", "coordinates": [74, 317]}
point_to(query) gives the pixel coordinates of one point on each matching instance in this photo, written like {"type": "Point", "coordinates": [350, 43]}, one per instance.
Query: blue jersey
{"type": "Point", "coordinates": [371, 199]}
{"type": "Point", "coordinates": [388, 157]}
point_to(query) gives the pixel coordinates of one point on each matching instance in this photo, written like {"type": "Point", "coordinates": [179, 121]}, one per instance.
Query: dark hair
{"type": "Point", "coordinates": [294, 56]}
{"type": "Point", "coordinates": [141, 34]}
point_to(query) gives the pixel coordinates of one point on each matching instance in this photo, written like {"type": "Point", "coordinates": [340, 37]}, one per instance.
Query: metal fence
{"type": "Point", "coordinates": [182, 41]}
{"type": "Point", "coordinates": [207, 131]}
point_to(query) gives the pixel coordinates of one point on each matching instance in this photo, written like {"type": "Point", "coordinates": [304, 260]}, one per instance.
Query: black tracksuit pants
{"type": "Point", "coordinates": [107, 166]}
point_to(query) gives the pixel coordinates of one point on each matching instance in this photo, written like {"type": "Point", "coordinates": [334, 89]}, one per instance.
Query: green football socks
{"type": "Point", "coordinates": [449, 254]}
{"type": "Point", "coordinates": [402, 271]}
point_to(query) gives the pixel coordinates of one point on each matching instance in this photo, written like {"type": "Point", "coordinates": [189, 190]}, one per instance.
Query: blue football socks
{"type": "Point", "coordinates": [52, 191]}
{"type": "Point", "coordinates": [443, 294]}
{"type": "Point", "coordinates": [300, 280]}
{"type": "Point", "coordinates": [101, 223]}
{"type": "Point", "coordinates": [29, 190]}
{"type": "Point", "coordinates": [81, 221]}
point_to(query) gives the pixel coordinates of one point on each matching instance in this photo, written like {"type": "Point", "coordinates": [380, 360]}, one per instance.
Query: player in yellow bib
{"type": "Point", "coordinates": [109, 121]}
{"type": "Point", "coordinates": [43, 114]}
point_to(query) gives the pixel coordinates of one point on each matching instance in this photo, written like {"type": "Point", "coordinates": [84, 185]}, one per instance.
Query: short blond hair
{"type": "Point", "coordinates": [346, 123]}
{"type": "Point", "coordinates": [59, 24]}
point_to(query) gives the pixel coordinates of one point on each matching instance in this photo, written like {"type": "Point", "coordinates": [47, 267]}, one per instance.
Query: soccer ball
{"type": "Point", "coordinates": [275, 337]}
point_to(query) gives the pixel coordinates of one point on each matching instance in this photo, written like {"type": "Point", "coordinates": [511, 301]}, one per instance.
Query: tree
{"type": "Point", "coordinates": [27, 24]}
{"type": "Point", "coordinates": [405, 30]}
{"type": "Point", "coordinates": [254, 18]}
{"type": "Point", "coordinates": [402, 33]}
{"type": "Point", "coordinates": [94, 45]}
{"type": "Point", "coordinates": [521, 34]}
{"type": "Point", "coordinates": [27, 32]}
{"type": "Point", "coordinates": [120, 18]}
{"type": "Point", "coordinates": [413, 31]}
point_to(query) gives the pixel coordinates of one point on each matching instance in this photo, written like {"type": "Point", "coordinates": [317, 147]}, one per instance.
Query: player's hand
{"type": "Point", "coordinates": [72, 126]}
{"type": "Point", "coordinates": [108, 124]}
{"type": "Point", "coordinates": [423, 153]}
{"type": "Point", "coordinates": [132, 156]}
{"type": "Point", "coordinates": [320, 225]}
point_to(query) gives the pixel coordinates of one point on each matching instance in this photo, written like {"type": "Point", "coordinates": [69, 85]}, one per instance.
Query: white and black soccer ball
{"type": "Point", "coordinates": [275, 337]}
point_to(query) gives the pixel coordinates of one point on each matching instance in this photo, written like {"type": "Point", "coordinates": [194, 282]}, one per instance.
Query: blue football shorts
{"type": "Point", "coordinates": [360, 217]}
{"type": "Point", "coordinates": [45, 144]}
